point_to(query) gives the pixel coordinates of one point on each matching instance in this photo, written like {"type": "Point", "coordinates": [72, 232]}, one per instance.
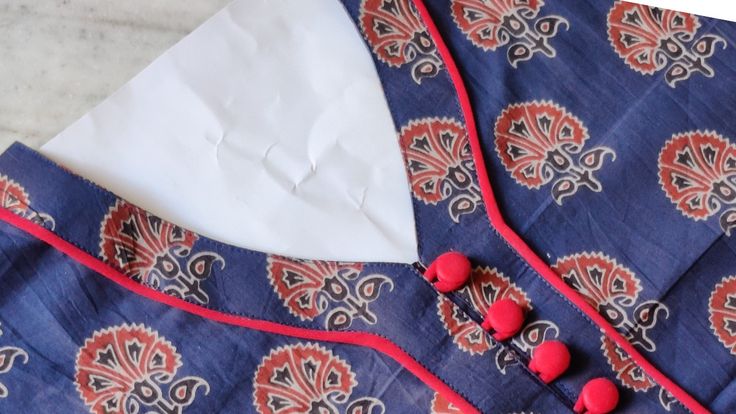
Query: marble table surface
{"type": "Point", "coordinates": [60, 58]}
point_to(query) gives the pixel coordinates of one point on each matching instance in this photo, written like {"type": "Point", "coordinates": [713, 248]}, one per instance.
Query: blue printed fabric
{"type": "Point", "coordinates": [603, 130]}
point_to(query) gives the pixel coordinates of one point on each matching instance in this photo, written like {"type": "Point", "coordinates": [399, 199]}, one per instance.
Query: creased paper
{"type": "Point", "coordinates": [266, 128]}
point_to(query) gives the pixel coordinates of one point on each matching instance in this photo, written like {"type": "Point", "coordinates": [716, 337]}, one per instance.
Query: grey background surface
{"type": "Point", "coordinates": [60, 58]}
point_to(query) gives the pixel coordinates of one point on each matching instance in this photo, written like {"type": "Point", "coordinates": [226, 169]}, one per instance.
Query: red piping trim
{"type": "Point", "coordinates": [498, 222]}
{"type": "Point", "coordinates": [364, 339]}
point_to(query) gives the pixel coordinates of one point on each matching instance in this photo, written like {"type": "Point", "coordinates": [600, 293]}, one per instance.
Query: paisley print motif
{"type": "Point", "coordinates": [530, 337]}
{"type": "Point", "coordinates": [8, 357]}
{"type": "Point", "coordinates": [613, 290]}
{"type": "Point", "coordinates": [697, 171]}
{"type": "Point", "coordinates": [650, 39]}
{"type": "Point", "coordinates": [485, 287]}
{"type": "Point", "coordinates": [130, 369]}
{"type": "Point", "coordinates": [440, 164]}
{"type": "Point", "coordinates": [490, 24]}
{"type": "Point", "coordinates": [666, 399]}
{"type": "Point", "coordinates": [540, 142]}
{"type": "Point", "coordinates": [155, 252]}
{"type": "Point", "coordinates": [722, 310]}
{"type": "Point", "coordinates": [398, 36]}
{"type": "Point", "coordinates": [307, 378]}
{"type": "Point", "coordinates": [309, 288]}
{"type": "Point", "coordinates": [14, 198]}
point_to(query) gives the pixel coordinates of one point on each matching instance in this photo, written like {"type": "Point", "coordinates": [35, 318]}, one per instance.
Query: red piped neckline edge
{"type": "Point", "coordinates": [362, 339]}
{"type": "Point", "coordinates": [518, 244]}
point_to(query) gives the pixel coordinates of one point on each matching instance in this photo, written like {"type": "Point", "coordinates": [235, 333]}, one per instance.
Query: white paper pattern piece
{"type": "Point", "coordinates": [266, 128]}
{"type": "Point", "coordinates": [718, 9]}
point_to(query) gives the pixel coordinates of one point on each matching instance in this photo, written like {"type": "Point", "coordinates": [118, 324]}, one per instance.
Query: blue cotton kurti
{"type": "Point", "coordinates": [578, 153]}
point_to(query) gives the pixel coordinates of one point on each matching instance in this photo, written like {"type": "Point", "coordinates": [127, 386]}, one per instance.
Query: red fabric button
{"type": "Point", "coordinates": [550, 360]}
{"type": "Point", "coordinates": [599, 396]}
{"type": "Point", "coordinates": [504, 318]}
{"type": "Point", "coordinates": [451, 270]}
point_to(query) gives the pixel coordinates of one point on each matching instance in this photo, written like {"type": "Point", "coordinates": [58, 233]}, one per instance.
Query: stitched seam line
{"type": "Point", "coordinates": [525, 264]}
{"type": "Point", "coordinates": [516, 354]}
{"type": "Point", "coordinates": [255, 318]}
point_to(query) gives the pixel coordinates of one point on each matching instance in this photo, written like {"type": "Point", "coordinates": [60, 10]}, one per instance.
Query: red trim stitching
{"type": "Point", "coordinates": [498, 222]}
{"type": "Point", "coordinates": [364, 339]}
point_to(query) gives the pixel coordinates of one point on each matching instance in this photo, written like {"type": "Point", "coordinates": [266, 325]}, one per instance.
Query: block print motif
{"type": "Point", "coordinates": [310, 288]}
{"type": "Point", "coordinates": [651, 39]}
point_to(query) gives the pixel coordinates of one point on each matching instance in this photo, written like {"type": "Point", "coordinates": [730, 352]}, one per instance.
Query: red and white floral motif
{"type": "Point", "coordinates": [631, 375]}
{"type": "Point", "coordinates": [151, 250]}
{"type": "Point", "coordinates": [627, 371]}
{"type": "Point", "coordinates": [649, 39]}
{"type": "Point", "coordinates": [8, 357]}
{"type": "Point", "coordinates": [490, 24]}
{"type": "Point", "coordinates": [697, 171]}
{"type": "Point", "coordinates": [722, 309]}
{"type": "Point", "coordinates": [398, 36]}
{"type": "Point", "coordinates": [441, 406]}
{"type": "Point", "coordinates": [130, 369]}
{"type": "Point", "coordinates": [485, 287]}
{"type": "Point", "coordinates": [14, 198]}
{"type": "Point", "coordinates": [307, 379]}
{"type": "Point", "coordinates": [613, 290]}
{"type": "Point", "coordinates": [599, 279]}
{"type": "Point", "coordinates": [309, 287]}
{"type": "Point", "coordinates": [539, 142]}
{"type": "Point", "coordinates": [440, 164]}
